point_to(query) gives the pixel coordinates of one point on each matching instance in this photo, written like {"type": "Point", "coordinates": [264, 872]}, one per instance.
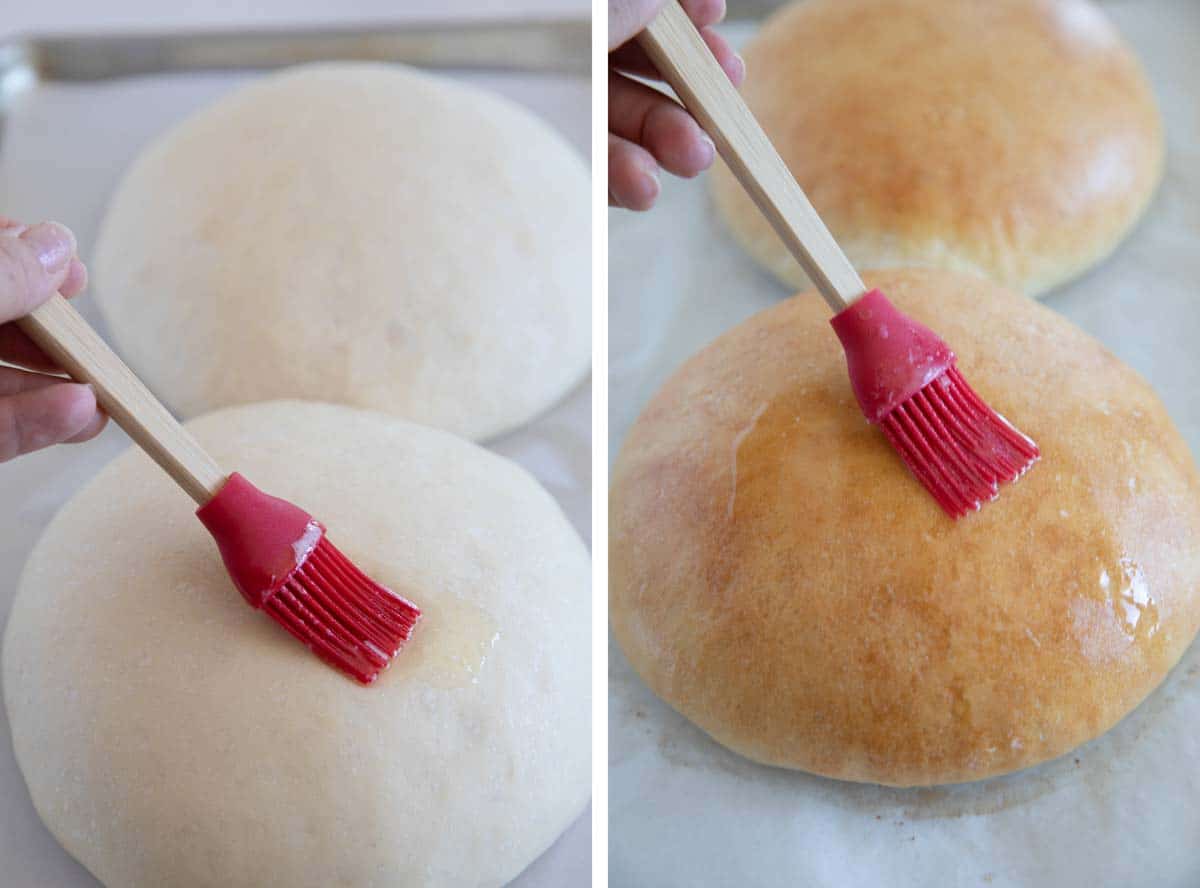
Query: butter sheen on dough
{"type": "Point", "coordinates": [778, 577]}
{"type": "Point", "coordinates": [172, 736]}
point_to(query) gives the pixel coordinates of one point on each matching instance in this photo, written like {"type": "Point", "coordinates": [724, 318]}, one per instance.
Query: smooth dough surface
{"type": "Point", "coordinates": [1017, 139]}
{"type": "Point", "coordinates": [779, 578]}
{"type": "Point", "coordinates": [172, 736]}
{"type": "Point", "coordinates": [363, 234]}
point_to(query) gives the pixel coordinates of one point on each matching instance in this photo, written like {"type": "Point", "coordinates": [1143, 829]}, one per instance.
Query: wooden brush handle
{"type": "Point", "coordinates": [687, 64]}
{"type": "Point", "coordinates": [64, 335]}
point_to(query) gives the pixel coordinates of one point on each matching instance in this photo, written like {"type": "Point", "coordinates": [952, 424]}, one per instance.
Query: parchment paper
{"type": "Point", "coordinates": [1122, 810]}
{"type": "Point", "coordinates": [64, 147]}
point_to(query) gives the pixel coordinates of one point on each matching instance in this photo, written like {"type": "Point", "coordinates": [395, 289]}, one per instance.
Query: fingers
{"type": "Point", "coordinates": [21, 240]}
{"type": "Point", "coordinates": [632, 60]}
{"type": "Point", "coordinates": [42, 411]}
{"type": "Point", "coordinates": [704, 12]}
{"type": "Point", "coordinates": [626, 18]}
{"type": "Point", "coordinates": [76, 279]}
{"type": "Point", "coordinates": [93, 428]}
{"type": "Point", "coordinates": [34, 263]}
{"type": "Point", "coordinates": [647, 128]}
{"type": "Point", "coordinates": [37, 410]}
{"type": "Point", "coordinates": [18, 349]}
{"type": "Point", "coordinates": [732, 63]}
{"type": "Point", "coordinates": [632, 175]}
{"type": "Point", "coordinates": [14, 381]}
{"type": "Point", "coordinates": [642, 115]}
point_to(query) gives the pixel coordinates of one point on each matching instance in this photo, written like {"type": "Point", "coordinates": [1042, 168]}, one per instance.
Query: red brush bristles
{"type": "Point", "coordinates": [905, 379]}
{"type": "Point", "coordinates": [281, 561]}
{"type": "Point", "coordinates": [345, 618]}
{"type": "Point", "coordinates": [958, 447]}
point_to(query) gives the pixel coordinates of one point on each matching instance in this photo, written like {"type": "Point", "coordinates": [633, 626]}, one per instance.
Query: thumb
{"type": "Point", "coordinates": [32, 266]}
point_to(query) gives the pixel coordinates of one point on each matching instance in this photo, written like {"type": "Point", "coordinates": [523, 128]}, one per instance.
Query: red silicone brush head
{"type": "Point", "coordinates": [905, 380]}
{"type": "Point", "coordinates": [281, 561]}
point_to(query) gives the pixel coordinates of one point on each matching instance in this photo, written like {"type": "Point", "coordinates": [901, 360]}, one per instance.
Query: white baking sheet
{"type": "Point", "coordinates": [1123, 810]}
{"type": "Point", "coordinates": [64, 148]}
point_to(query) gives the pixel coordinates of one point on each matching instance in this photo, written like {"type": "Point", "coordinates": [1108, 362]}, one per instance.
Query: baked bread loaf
{"type": "Point", "coordinates": [1017, 139]}
{"type": "Point", "coordinates": [172, 736]}
{"type": "Point", "coordinates": [357, 233]}
{"type": "Point", "coordinates": [778, 577]}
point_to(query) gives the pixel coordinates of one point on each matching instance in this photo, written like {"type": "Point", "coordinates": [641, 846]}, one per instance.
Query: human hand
{"type": "Point", "coordinates": [645, 127]}
{"type": "Point", "coordinates": [38, 409]}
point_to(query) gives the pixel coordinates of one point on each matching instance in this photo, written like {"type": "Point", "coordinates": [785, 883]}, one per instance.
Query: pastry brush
{"type": "Point", "coordinates": [904, 376]}
{"type": "Point", "coordinates": [277, 555]}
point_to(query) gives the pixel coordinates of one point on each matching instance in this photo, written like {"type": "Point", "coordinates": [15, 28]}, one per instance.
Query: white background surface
{"type": "Point", "coordinates": [63, 149]}
{"type": "Point", "coordinates": [1121, 811]}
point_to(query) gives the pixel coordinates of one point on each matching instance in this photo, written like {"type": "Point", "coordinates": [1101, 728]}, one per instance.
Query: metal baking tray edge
{"type": "Point", "coordinates": [557, 46]}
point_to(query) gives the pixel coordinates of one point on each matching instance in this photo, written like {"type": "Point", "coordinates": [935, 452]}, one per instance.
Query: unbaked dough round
{"type": "Point", "coordinates": [1017, 139]}
{"type": "Point", "coordinates": [779, 577]}
{"type": "Point", "coordinates": [357, 233]}
{"type": "Point", "coordinates": [172, 736]}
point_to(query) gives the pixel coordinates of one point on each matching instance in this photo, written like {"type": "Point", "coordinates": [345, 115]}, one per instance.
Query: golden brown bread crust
{"type": "Point", "coordinates": [1015, 138]}
{"type": "Point", "coordinates": [779, 578]}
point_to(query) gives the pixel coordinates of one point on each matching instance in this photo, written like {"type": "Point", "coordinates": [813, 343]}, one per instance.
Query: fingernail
{"type": "Point", "coordinates": [710, 150]}
{"type": "Point", "coordinates": [53, 243]}
{"type": "Point", "coordinates": [85, 385]}
{"type": "Point", "coordinates": [656, 184]}
{"type": "Point", "coordinates": [741, 67]}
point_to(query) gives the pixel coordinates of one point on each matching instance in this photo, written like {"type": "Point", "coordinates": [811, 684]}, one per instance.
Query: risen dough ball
{"type": "Point", "coordinates": [172, 736]}
{"type": "Point", "coordinates": [357, 233]}
{"type": "Point", "coordinates": [779, 578]}
{"type": "Point", "coordinates": [1014, 138]}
